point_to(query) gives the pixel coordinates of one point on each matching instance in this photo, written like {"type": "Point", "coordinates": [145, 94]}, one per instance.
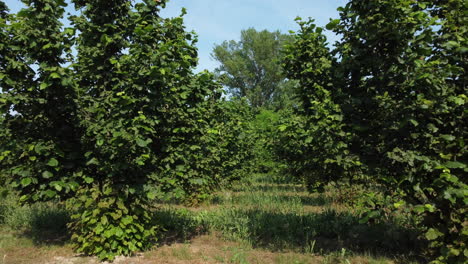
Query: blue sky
{"type": "Point", "coordinates": [217, 20]}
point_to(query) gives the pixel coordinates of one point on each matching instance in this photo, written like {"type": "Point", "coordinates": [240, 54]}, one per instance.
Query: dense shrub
{"type": "Point", "coordinates": [398, 90]}
{"type": "Point", "coordinates": [123, 122]}
{"type": "Point", "coordinates": [233, 139]}
{"type": "Point", "coordinates": [312, 140]}
{"type": "Point", "coordinates": [406, 106]}
{"type": "Point", "coordinates": [264, 128]}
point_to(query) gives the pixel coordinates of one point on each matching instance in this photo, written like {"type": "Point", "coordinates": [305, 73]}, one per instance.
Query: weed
{"type": "Point", "coordinates": [239, 256]}
{"type": "Point", "coordinates": [182, 253]}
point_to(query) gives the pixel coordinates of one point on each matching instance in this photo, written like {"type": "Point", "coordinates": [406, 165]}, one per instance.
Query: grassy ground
{"type": "Point", "coordinates": [256, 222]}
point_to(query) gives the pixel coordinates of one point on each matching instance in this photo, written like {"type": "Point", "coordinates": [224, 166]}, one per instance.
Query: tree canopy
{"type": "Point", "coordinates": [388, 103]}
{"type": "Point", "coordinates": [107, 116]}
{"type": "Point", "coordinates": [251, 67]}
{"type": "Point", "coordinates": [122, 122]}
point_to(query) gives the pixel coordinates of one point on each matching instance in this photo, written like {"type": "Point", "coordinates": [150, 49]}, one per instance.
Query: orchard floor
{"type": "Point", "coordinates": [259, 222]}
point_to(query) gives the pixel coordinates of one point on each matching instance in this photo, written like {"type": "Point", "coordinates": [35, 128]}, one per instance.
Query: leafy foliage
{"type": "Point", "coordinates": [108, 222]}
{"type": "Point", "coordinates": [264, 130]}
{"type": "Point", "coordinates": [38, 111]}
{"type": "Point", "coordinates": [221, 153]}
{"type": "Point", "coordinates": [126, 122]}
{"type": "Point", "coordinates": [399, 87]}
{"type": "Point", "coordinates": [251, 68]}
{"type": "Point", "coordinates": [316, 147]}
{"type": "Point", "coordinates": [233, 139]}
{"type": "Point", "coordinates": [406, 106]}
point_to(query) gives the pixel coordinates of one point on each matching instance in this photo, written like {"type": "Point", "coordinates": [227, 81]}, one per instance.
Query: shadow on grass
{"type": "Point", "coordinates": [320, 233]}
{"type": "Point", "coordinates": [178, 225]}
{"type": "Point", "coordinates": [47, 225]}
{"type": "Point", "coordinates": [318, 200]}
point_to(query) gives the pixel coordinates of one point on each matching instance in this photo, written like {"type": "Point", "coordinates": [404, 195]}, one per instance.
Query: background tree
{"type": "Point", "coordinates": [251, 67]}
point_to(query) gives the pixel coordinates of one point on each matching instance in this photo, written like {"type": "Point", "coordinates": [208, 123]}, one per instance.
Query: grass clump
{"type": "Point", "coordinates": [42, 222]}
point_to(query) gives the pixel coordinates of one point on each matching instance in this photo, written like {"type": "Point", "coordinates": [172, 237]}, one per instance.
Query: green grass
{"type": "Point", "coordinates": [43, 223]}
{"type": "Point", "coordinates": [272, 216]}
{"type": "Point", "coordinates": [257, 215]}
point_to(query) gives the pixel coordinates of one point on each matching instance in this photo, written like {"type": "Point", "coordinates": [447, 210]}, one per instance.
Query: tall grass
{"type": "Point", "coordinates": [263, 214]}
{"type": "Point", "coordinates": [43, 222]}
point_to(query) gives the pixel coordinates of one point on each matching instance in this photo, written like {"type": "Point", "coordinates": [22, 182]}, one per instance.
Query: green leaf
{"type": "Point", "coordinates": [24, 198]}
{"type": "Point", "coordinates": [332, 24]}
{"type": "Point", "coordinates": [104, 220]}
{"type": "Point", "coordinates": [414, 122]}
{"type": "Point", "coordinates": [50, 193]}
{"type": "Point", "coordinates": [47, 175]}
{"type": "Point", "coordinates": [26, 182]}
{"type": "Point", "coordinates": [118, 232]}
{"type": "Point", "coordinates": [452, 44]}
{"type": "Point", "coordinates": [398, 204]}
{"type": "Point", "coordinates": [282, 128]}
{"type": "Point", "coordinates": [198, 181]}
{"type": "Point", "coordinates": [109, 232]}
{"type": "Point", "coordinates": [142, 143]}
{"type": "Point", "coordinates": [448, 137]}
{"type": "Point", "coordinates": [152, 195]}
{"type": "Point", "coordinates": [57, 185]}
{"type": "Point", "coordinates": [55, 75]}
{"type": "Point", "coordinates": [98, 231]}
{"type": "Point", "coordinates": [47, 46]}
{"type": "Point", "coordinates": [53, 162]}
{"type": "Point", "coordinates": [92, 161]}
{"type": "Point", "coordinates": [127, 220]}
{"type": "Point", "coordinates": [419, 208]}
{"type": "Point", "coordinates": [449, 177]}
{"type": "Point", "coordinates": [39, 148]}
{"type": "Point", "coordinates": [457, 100]}
{"type": "Point", "coordinates": [433, 234]}
{"type": "Point", "coordinates": [455, 165]}
{"type": "Point", "coordinates": [430, 208]}
{"type": "Point", "coordinates": [69, 31]}
{"type": "Point", "coordinates": [88, 180]}
{"type": "Point", "coordinates": [455, 252]}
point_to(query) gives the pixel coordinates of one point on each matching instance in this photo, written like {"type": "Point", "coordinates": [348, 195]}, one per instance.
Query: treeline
{"type": "Point", "coordinates": [124, 121]}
